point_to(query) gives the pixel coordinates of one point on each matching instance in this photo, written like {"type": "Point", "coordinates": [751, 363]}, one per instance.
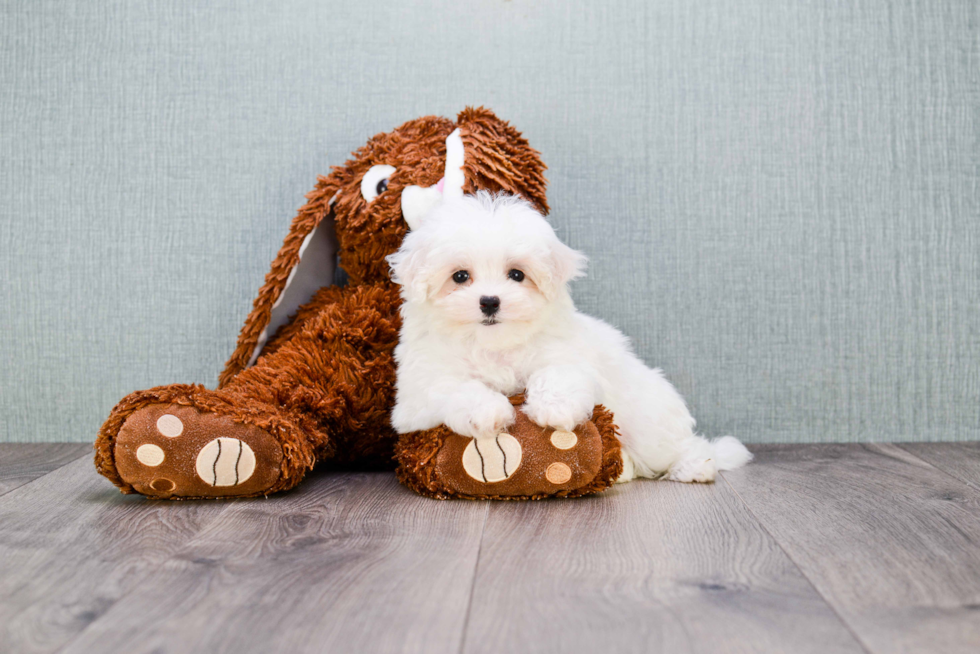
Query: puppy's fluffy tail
{"type": "Point", "coordinates": [729, 453]}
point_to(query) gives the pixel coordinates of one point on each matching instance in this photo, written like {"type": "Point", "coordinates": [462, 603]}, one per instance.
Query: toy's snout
{"type": "Point", "coordinates": [418, 201]}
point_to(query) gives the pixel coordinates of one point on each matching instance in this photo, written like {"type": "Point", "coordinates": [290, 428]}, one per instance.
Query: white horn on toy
{"type": "Point", "coordinates": [454, 166]}
{"type": "Point", "coordinates": [418, 201]}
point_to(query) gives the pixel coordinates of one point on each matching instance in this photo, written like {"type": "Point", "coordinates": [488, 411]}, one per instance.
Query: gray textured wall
{"type": "Point", "coordinates": [781, 198]}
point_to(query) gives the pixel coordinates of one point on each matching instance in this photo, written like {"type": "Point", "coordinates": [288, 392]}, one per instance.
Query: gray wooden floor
{"type": "Point", "coordinates": [817, 548]}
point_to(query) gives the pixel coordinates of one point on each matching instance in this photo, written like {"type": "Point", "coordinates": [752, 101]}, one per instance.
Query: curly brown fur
{"type": "Point", "coordinates": [336, 373]}
{"type": "Point", "coordinates": [612, 456]}
{"type": "Point", "coordinates": [499, 159]}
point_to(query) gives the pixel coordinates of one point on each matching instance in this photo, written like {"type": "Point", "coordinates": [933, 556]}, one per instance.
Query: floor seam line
{"type": "Point", "coordinates": [830, 605]}
{"type": "Point", "coordinates": [476, 569]}
{"type": "Point", "coordinates": [935, 467]}
{"type": "Point", "coordinates": [25, 485]}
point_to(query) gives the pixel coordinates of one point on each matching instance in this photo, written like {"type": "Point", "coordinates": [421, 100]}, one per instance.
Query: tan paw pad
{"type": "Point", "coordinates": [170, 426]}
{"type": "Point", "coordinates": [150, 455]}
{"type": "Point", "coordinates": [225, 462]}
{"type": "Point", "coordinates": [558, 473]}
{"type": "Point", "coordinates": [564, 440]}
{"type": "Point", "coordinates": [492, 459]}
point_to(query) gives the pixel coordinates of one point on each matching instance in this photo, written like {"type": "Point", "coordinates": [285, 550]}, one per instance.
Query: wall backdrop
{"type": "Point", "coordinates": [781, 198]}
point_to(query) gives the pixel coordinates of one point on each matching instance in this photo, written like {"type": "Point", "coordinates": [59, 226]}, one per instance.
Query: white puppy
{"type": "Point", "coordinates": [487, 314]}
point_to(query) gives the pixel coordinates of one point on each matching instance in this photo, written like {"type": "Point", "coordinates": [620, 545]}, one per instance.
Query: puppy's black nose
{"type": "Point", "coordinates": [489, 304]}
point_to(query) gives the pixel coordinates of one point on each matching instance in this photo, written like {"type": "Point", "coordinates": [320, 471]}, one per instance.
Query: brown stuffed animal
{"type": "Point", "coordinates": [312, 378]}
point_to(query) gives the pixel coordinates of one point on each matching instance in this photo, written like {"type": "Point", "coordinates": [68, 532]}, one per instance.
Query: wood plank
{"type": "Point", "coordinates": [889, 540]}
{"type": "Point", "coordinates": [962, 460]}
{"type": "Point", "coordinates": [645, 567]}
{"type": "Point", "coordinates": [71, 546]}
{"type": "Point", "coordinates": [21, 463]}
{"type": "Point", "coordinates": [345, 563]}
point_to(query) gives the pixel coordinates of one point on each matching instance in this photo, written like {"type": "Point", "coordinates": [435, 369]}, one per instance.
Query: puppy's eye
{"type": "Point", "coordinates": [375, 181]}
{"type": "Point", "coordinates": [461, 276]}
{"type": "Point", "coordinates": [516, 275]}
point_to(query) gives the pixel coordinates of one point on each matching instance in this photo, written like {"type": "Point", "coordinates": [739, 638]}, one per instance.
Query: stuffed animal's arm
{"type": "Point", "coordinates": [562, 396]}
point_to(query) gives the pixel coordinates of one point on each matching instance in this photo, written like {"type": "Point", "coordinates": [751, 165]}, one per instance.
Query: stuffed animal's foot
{"type": "Point", "coordinates": [525, 462]}
{"type": "Point", "coordinates": [178, 451]}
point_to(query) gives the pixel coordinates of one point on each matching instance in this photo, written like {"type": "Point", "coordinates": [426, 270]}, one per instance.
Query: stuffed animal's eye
{"type": "Point", "coordinates": [375, 181]}
{"type": "Point", "coordinates": [516, 275]}
{"type": "Point", "coordinates": [461, 277]}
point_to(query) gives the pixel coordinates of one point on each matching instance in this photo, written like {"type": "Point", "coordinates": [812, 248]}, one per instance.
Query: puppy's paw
{"type": "Point", "coordinates": [486, 419]}
{"type": "Point", "coordinates": [629, 470]}
{"type": "Point", "coordinates": [694, 470]}
{"type": "Point", "coordinates": [546, 410]}
{"type": "Point", "coordinates": [560, 396]}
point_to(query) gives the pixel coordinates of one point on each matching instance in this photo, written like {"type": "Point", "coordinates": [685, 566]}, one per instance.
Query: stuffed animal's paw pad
{"type": "Point", "coordinates": [564, 440]}
{"type": "Point", "coordinates": [558, 473]}
{"type": "Point", "coordinates": [492, 459]}
{"type": "Point", "coordinates": [225, 462]}
{"type": "Point", "coordinates": [150, 455]}
{"type": "Point", "coordinates": [170, 425]}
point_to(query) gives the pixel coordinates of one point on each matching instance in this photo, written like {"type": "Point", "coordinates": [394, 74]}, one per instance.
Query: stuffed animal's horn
{"type": "Point", "coordinates": [418, 201]}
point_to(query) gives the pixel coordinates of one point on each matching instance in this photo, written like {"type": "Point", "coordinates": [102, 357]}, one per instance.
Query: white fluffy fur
{"type": "Point", "coordinates": [455, 369]}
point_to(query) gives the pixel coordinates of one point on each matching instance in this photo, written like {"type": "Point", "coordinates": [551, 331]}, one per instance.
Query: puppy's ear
{"type": "Point", "coordinates": [409, 268]}
{"type": "Point", "coordinates": [568, 264]}
{"type": "Point", "coordinates": [562, 265]}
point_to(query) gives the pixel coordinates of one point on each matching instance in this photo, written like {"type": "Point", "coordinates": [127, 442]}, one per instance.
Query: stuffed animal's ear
{"type": "Point", "coordinates": [499, 159]}
{"type": "Point", "coordinates": [409, 268]}
{"type": "Point", "coordinates": [306, 262]}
